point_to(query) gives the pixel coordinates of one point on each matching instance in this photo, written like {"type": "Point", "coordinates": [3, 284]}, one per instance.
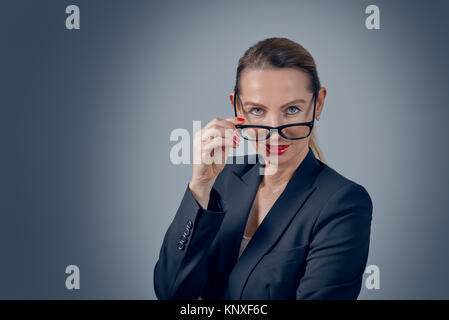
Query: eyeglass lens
{"type": "Point", "coordinates": [294, 132]}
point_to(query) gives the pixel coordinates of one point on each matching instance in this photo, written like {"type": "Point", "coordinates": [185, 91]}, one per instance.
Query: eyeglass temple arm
{"type": "Point", "coordinates": [235, 105]}
{"type": "Point", "coordinates": [314, 107]}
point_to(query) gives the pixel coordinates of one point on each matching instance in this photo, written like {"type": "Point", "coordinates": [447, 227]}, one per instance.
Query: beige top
{"type": "Point", "coordinates": [243, 244]}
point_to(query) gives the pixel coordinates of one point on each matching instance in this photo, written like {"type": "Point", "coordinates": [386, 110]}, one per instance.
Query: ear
{"type": "Point", "coordinates": [320, 101]}
{"type": "Point", "coordinates": [231, 98]}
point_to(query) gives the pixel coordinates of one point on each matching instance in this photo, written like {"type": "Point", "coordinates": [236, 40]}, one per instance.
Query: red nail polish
{"type": "Point", "coordinates": [240, 119]}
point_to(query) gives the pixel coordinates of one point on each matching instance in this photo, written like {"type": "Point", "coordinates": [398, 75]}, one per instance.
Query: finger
{"type": "Point", "coordinates": [216, 151]}
{"type": "Point", "coordinates": [231, 122]}
{"type": "Point", "coordinates": [228, 123]}
{"type": "Point", "coordinates": [211, 133]}
{"type": "Point", "coordinates": [217, 142]}
{"type": "Point", "coordinates": [236, 120]}
{"type": "Point", "coordinates": [202, 148]}
{"type": "Point", "coordinates": [226, 148]}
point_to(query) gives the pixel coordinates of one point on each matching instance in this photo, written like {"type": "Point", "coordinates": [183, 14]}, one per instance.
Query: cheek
{"type": "Point", "coordinates": [301, 144]}
{"type": "Point", "coordinates": [297, 146]}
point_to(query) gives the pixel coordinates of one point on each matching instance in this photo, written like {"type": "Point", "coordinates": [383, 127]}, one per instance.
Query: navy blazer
{"type": "Point", "coordinates": [312, 244]}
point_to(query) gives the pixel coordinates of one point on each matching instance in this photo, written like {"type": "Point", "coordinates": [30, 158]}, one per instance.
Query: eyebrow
{"type": "Point", "coordinates": [261, 105]}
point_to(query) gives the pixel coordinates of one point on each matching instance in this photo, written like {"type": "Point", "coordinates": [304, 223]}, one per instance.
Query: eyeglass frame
{"type": "Point", "coordinates": [309, 124]}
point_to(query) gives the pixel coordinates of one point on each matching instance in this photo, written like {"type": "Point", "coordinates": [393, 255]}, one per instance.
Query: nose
{"type": "Point", "coordinates": [275, 120]}
{"type": "Point", "coordinates": [275, 137]}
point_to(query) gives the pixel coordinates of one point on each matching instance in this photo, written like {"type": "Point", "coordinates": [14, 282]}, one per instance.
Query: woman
{"type": "Point", "coordinates": [280, 224]}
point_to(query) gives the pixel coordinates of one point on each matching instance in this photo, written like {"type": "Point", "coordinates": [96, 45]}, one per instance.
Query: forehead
{"type": "Point", "coordinates": [274, 86]}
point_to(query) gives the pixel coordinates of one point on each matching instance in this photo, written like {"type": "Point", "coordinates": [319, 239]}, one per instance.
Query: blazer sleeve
{"type": "Point", "coordinates": [339, 247]}
{"type": "Point", "coordinates": [180, 272]}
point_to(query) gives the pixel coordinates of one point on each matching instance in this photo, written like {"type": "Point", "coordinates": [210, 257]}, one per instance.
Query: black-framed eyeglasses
{"type": "Point", "coordinates": [291, 131]}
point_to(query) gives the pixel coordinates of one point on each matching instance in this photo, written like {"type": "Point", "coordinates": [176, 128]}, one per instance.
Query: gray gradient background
{"type": "Point", "coordinates": [86, 116]}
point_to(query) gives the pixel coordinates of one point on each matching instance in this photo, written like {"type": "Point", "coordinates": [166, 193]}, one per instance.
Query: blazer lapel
{"type": "Point", "coordinates": [243, 185]}
{"type": "Point", "coordinates": [272, 227]}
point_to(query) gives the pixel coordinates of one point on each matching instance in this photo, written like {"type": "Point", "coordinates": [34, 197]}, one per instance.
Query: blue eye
{"type": "Point", "coordinates": [256, 113]}
{"type": "Point", "coordinates": [295, 110]}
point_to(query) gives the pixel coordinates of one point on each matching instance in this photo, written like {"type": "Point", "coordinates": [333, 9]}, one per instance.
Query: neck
{"type": "Point", "coordinates": [282, 172]}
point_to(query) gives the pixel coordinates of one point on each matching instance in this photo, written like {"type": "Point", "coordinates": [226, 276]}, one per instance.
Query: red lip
{"type": "Point", "coordinates": [280, 148]}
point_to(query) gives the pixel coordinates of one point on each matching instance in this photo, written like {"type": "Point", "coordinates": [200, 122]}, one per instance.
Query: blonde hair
{"type": "Point", "coordinates": [313, 143]}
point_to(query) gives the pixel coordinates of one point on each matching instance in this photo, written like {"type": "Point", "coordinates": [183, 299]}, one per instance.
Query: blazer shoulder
{"type": "Point", "coordinates": [332, 182]}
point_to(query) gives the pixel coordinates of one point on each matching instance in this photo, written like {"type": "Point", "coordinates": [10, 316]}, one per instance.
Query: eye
{"type": "Point", "coordinates": [293, 110]}
{"type": "Point", "coordinates": [256, 111]}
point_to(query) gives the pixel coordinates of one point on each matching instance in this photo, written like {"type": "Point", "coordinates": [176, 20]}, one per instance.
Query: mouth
{"type": "Point", "coordinates": [276, 148]}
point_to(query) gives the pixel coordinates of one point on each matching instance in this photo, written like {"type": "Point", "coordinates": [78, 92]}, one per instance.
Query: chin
{"type": "Point", "coordinates": [288, 156]}
{"type": "Point", "coordinates": [279, 159]}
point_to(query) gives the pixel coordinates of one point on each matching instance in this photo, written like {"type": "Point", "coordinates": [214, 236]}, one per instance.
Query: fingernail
{"type": "Point", "coordinates": [238, 133]}
{"type": "Point", "coordinates": [240, 119]}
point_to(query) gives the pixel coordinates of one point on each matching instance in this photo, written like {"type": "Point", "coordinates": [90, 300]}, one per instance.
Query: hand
{"type": "Point", "coordinates": [211, 146]}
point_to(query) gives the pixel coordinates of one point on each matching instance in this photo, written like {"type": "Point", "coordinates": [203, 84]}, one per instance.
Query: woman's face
{"type": "Point", "coordinates": [273, 98]}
